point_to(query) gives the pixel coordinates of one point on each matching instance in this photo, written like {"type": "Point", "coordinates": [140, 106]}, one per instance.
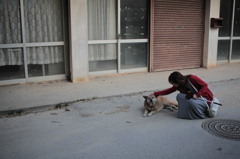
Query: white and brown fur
{"type": "Point", "coordinates": [153, 105]}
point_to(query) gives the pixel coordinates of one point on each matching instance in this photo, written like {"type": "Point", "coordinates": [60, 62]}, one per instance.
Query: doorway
{"type": "Point", "coordinates": [117, 36]}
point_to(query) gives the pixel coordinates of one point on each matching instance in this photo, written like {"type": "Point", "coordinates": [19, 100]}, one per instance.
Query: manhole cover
{"type": "Point", "coordinates": [224, 128]}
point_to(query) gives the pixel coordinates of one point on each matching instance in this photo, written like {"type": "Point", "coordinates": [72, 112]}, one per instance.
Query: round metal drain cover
{"type": "Point", "coordinates": [224, 128]}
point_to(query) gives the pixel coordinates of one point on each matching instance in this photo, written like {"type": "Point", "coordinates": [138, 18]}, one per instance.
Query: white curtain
{"type": "Point", "coordinates": [43, 21]}
{"type": "Point", "coordinates": [102, 26]}
{"type": "Point", "coordinates": [11, 57]}
{"type": "Point", "coordinates": [10, 32]}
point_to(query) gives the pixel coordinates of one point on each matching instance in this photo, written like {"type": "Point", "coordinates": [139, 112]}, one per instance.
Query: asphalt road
{"type": "Point", "coordinates": [113, 128]}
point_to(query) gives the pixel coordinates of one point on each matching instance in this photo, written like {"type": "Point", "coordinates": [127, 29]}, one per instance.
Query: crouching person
{"type": "Point", "coordinates": [194, 98]}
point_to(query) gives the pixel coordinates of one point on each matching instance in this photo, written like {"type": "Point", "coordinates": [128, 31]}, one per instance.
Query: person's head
{"type": "Point", "coordinates": [176, 79]}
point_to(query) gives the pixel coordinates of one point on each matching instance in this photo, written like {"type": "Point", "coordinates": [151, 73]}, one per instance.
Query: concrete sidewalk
{"type": "Point", "coordinates": [48, 94]}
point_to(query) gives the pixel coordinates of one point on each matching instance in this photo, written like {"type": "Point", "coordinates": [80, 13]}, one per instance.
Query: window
{"type": "Point", "coordinates": [118, 35]}
{"type": "Point", "coordinates": [229, 34]}
{"type": "Point", "coordinates": [31, 38]}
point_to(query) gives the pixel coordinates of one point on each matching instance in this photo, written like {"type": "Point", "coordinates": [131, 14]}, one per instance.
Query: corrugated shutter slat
{"type": "Point", "coordinates": [177, 34]}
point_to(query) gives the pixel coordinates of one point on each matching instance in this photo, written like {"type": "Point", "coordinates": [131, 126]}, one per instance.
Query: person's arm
{"type": "Point", "coordinates": [165, 91]}
{"type": "Point", "coordinates": [199, 84]}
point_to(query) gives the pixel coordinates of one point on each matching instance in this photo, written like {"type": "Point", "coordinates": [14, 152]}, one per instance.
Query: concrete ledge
{"type": "Point", "coordinates": [38, 109]}
{"type": "Point", "coordinates": [49, 94]}
{"type": "Point", "coordinates": [24, 111]}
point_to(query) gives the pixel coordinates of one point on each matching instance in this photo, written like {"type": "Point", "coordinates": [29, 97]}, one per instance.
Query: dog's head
{"type": "Point", "coordinates": [150, 100]}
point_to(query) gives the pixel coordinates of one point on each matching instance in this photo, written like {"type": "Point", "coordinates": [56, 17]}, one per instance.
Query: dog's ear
{"type": "Point", "coordinates": [145, 97]}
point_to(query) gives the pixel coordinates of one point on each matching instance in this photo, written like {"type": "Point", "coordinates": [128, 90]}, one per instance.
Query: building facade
{"type": "Point", "coordinates": [43, 40]}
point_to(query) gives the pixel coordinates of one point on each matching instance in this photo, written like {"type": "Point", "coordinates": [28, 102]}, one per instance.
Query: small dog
{"type": "Point", "coordinates": [153, 105]}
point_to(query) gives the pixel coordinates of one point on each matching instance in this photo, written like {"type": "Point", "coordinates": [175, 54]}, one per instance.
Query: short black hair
{"type": "Point", "coordinates": [176, 77]}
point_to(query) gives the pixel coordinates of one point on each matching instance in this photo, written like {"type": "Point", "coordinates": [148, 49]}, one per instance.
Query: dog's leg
{"type": "Point", "coordinates": [174, 107]}
{"type": "Point", "coordinates": [172, 104]}
{"type": "Point", "coordinates": [168, 107]}
{"type": "Point", "coordinates": [151, 113]}
{"type": "Point", "coordinates": [171, 107]}
{"type": "Point", "coordinates": [154, 112]}
{"type": "Point", "coordinates": [145, 113]}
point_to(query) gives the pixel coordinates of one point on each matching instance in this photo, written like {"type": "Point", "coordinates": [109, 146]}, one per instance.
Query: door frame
{"type": "Point", "coordinates": [230, 38]}
{"type": "Point", "coordinates": [119, 41]}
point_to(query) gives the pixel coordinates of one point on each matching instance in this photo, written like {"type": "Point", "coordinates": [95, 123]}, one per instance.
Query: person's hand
{"type": "Point", "coordinates": [195, 97]}
{"type": "Point", "coordinates": [152, 94]}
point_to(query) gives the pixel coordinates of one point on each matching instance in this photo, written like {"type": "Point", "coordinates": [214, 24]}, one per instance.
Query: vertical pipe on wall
{"type": "Point", "coordinates": [231, 34]}
{"type": "Point", "coordinates": [118, 36]}
{"type": "Point", "coordinates": [24, 40]}
{"type": "Point", "coordinates": [151, 35]}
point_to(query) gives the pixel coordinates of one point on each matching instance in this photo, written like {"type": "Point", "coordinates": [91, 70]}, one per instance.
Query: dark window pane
{"type": "Point", "coordinates": [35, 70]}
{"type": "Point", "coordinates": [105, 65]}
{"type": "Point", "coordinates": [226, 14]}
{"type": "Point", "coordinates": [134, 19]}
{"type": "Point", "coordinates": [11, 64]}
{"type": "Point", "coordinates": [102, 57]}
{"type": "Point", "coordinates": [236, 30]}
{"type": "Point", "coordinates": [45, 69]}
{"type": "Point", "coordinates": [54, 69]}
{"type": "Point", "coordinates": [223, 49]}
{"type": "Point", "coordinates": [133, 55]}
{"type": "Point", "coordinates": [236, 50]}
{"type": "Point", "coordinates": [44, 61]}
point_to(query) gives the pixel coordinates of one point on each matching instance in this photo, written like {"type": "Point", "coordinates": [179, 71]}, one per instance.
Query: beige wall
{"type": "Point", "coordinates": [79, 38]}
{"type": "Point", "coordinates": [78, 42]}
{"type": "Point", "coordinates": [211, 34]}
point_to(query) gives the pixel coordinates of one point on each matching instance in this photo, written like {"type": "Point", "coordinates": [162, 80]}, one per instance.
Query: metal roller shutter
{"type": "Point", "coordinates": [176, 34]}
